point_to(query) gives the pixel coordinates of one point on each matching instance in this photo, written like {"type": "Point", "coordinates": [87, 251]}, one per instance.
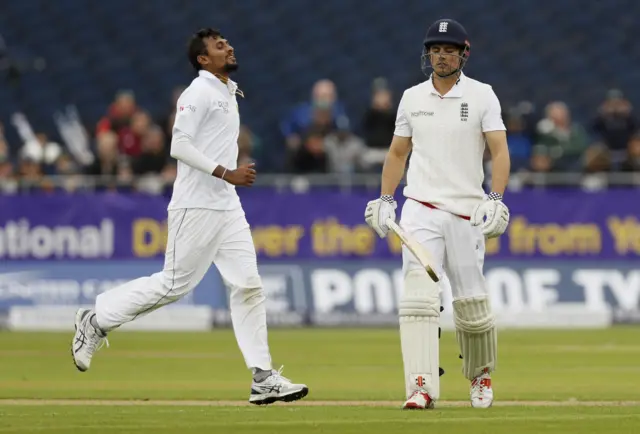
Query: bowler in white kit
{"type": "Point", "coordinates": [445, 123]}
{"type": "Point", "coordinates": [206, 224]}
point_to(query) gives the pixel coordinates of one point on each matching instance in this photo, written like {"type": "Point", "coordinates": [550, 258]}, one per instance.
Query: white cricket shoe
{"type": "Point", "coordinates": [420, 400]}
{"type": "Point", "coordinates": [276, 388]}
{"type": "Point", "coordinates": [481, 391]}
{"type": "Point", "coordinates": [86, 341]}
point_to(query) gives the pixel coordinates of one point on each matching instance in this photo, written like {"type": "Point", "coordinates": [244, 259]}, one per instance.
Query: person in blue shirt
{"type": "Point", "coordinates": [296, 123]}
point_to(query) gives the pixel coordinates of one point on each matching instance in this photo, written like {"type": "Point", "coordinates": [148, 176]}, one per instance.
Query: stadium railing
{"type": "Point", "coordinates": [157, 184]}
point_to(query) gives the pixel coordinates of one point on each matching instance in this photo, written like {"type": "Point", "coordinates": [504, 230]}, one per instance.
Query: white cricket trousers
{"type": "Point", "coordinates": [196, 239]}
{"type": "Point", "coordinates": [457, 248]}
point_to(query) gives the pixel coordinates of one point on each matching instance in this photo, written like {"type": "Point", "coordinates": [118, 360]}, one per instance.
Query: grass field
{"type": "Point", "coordinates": [551, 381]}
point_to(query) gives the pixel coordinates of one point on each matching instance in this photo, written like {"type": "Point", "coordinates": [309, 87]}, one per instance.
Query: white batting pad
{"type": "Point", "coordinates": [419, 311]}
{"type": "Point", "coordinates": [476, 335]}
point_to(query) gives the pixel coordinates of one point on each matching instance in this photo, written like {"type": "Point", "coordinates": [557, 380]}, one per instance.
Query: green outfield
{"type": "Point", "coordinates": [552, 381]}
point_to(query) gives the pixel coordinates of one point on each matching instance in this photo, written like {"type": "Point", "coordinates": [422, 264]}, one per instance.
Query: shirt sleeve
{"type": "Point", "coordinates": [191, 109]}
{"type": "Point", "coordinates": [403, 126]}
{"type": "Point", "coordinates": [183, 150]}
{"type": "Point", "coordinates": [492, 116]}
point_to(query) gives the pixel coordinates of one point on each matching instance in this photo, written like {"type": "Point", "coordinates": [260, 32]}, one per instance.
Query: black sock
{"type": "Point", "coordinates": [260, 375]}
{"type": "Point", "coordinates": [94, 323]}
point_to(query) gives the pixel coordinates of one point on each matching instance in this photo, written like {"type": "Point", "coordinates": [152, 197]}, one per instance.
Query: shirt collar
{"type": "Point", "coordinates": [230, 85]}
{"type": "Point", "coordinates": [455, 92]}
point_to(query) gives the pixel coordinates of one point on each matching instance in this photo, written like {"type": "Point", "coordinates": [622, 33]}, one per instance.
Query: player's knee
{"type": "Point", "coordinates": [250, 291]}
{"type": "Point", "coordinates": [421, 295]}
{"type": "Point", "coordinates": [473, 315]}
{"type": "Point", "coordinates": [253, 295]}
{"type": "Point", "coordinates": [178, 282]}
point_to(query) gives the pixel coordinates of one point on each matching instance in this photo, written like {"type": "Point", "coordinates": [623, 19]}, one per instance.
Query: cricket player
{"type": "Point", "coordinates": [206, 224]}
{"type": "Point", "coordinates": [444, 123]}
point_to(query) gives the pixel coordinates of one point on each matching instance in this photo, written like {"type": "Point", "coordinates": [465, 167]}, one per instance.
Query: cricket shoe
{"type": "Point", "coordinates": [86, 341]}
{"type": "Point", "coordinates": [419, 400]}
{"type": "Point", "coordinates": [276, 388]}
{"type": "Point", "coordinates": [481, 391]}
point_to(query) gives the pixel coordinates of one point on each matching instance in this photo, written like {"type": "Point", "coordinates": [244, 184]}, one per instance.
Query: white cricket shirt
{"type": "Point", "coordinates": [445, 167]}
{"type": "Point", "coordinates": [207, 112]}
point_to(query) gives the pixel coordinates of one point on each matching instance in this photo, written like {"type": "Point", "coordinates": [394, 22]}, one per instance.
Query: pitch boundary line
{"type": "Point", "coordinates": [231, 403]}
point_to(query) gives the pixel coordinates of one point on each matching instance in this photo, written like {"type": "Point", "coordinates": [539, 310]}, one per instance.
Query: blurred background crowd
{"type": "Point", "coordinates": [92, 109]}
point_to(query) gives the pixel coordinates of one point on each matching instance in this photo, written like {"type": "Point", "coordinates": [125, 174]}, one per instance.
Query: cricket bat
{"type": "Point", "coordinates": [415, 248]}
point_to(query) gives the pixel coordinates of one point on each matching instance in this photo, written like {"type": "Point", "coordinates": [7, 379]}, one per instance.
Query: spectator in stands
{"type": "Point", "coordinates": [67, 168]}
{"type": "Point", "coordinates": [247, 145]}
{"type": "Point", "coordinates": [631, 162]}
{"type": "Point", "coordinates": [169, 174]}
{"type": "Point", "coordinates": [311, 156]}
{"type": "Point", "coordinates": [107, 162]}
{"type": "Point", "coordinates": [379, 121]}
{"type": "Point", "coordinates": [597, 159]}
{"type": "Point", "coordinates": [344, 150]}
{"type": "Point", "coordinates": [152, 158]}
{"type": "Point", "coordinates": [323, 121]}
{"type": "Point", "coordinates": [519, 142]}
{"type": "Point", "coordinates": [8, 182]}
{"type": "Point", "coordinates": [541, 161]}
{"type": "Point", "coordinates": [527, 116]}
{"type": "Point", "coordinates": [4, 146]}
{"type": "Point", "coordinates": [324, 102]}
{"type": "Point", "coordinates": [130, 137]}
{"type": "Point", "coordinates": [615, 123]}
{"type": "Point", "coordinates": [66, 165]}
{"type": "Point", "coordinates": [378, 126]}
{"type": "Point", "coordinates": [30, 171]}
{"type": "Point", "coordinates": [565, 140]}
{"type": "Point", "coordinates": [119, 113]}
{"type": "Point", "coordinates": [42, 151]}
{"type": "Point", "coordinates": [149, 169]}
{"type": "Point", "coordinates": [167, 121]}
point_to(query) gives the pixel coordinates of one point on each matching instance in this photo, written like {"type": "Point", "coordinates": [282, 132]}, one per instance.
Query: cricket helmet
{"type": "Point", "coordinates": [446, 31]}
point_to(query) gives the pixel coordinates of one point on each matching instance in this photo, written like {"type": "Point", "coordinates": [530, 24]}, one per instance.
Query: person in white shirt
{"type": "Point", "coordinates": [445, 123]}
{"type": "Point", "coordinates": [206, 224]}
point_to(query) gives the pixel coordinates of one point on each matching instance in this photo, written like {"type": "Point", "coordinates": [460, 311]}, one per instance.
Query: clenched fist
{"type": "Point", "coordinates": [492, 215]}
{"type": "Point", "coordinates": [377, 213]}
{"type": "Point", "coordinates": [243, 176]}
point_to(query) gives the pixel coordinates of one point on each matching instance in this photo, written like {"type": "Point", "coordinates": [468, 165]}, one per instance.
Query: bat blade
{"type": "Point", "coordinates": [415, 248]}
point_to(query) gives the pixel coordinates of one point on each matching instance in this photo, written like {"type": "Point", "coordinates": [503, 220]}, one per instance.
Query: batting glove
{"type": "Point", "coordinates": [377, 213]}
{"type": "Point", "coordinates": [492, 215]}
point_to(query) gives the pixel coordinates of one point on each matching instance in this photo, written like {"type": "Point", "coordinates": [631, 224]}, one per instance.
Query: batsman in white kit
{"type": "Point", "coordinates": [206, 224]}
{"type": "Point", "coordinates": [445, 123]}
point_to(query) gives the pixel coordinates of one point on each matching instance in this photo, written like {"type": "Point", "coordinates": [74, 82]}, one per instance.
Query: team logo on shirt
{"type": "Point", "coordinates": [224, 105]}
{"type": "Point", "coordinates": [189, 107]}
{"type": "Point", "coordinates": [421, 113]}
{"type": "Point", "coordinates": [464, 112]}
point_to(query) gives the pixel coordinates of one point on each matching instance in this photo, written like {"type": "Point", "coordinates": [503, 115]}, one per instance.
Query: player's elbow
{"type": "Point", "coordinates": [178, 144]}
{"type": "Point", "coordinates": [400, 147]}
{"type": "Point", "coordinates": [174, 153]}
{"type": "Point", "coordinates": [499, 151]}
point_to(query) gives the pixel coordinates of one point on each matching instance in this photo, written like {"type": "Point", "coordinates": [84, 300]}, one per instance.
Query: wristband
{"type": "Point", "coordinates": [494, 196]}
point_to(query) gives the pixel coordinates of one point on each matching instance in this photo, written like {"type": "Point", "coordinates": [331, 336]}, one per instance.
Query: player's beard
{"type": "Point", "coordinates": [448, 70]}
{"type": "Point", "coordinates": [444, 72]}
{"type": "Point", "coordinates": [230, 67]}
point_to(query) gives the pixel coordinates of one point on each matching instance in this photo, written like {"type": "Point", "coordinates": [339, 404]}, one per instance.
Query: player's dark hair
{"type": "Point", "coordinates": [197, 46]}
